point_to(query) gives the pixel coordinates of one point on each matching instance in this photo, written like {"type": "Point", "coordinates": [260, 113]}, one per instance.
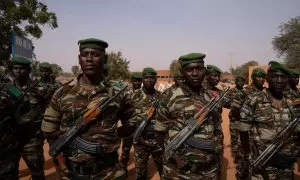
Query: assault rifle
{"type": "Point", "coordinates": [138, 132]}
{"type": "Point", "coordinates": [265, 157]}
{"type": "Point", "coordinates": [193, 124]}
{"type": "Point", "coordinates": [88, 116]}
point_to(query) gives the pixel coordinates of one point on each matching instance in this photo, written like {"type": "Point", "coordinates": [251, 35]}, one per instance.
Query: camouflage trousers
{"type": "Point", "coordinates": [271, 173]}
{"type": "Point", "coordinates": [31, 147]}
{"type": "Point", "coordinates": [142, 151]}
{"type": "Point", "coordinates": [126, 147]}
{"type": "Point", "coordinates": [212, 173]}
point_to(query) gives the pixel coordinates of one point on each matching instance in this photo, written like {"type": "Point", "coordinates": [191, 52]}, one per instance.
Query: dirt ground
{"type": "Point", "coordinates": [228, 171]}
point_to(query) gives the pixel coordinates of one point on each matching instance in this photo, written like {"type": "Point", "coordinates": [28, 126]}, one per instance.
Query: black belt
{"type": "Point", "coordinates": [107, 160]}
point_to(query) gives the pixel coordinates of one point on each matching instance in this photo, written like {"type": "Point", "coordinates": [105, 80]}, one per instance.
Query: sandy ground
{"type": "Point", "coordinates": [228, 171]}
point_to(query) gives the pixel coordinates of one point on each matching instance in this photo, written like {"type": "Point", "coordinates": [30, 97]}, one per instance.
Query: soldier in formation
{"type": "Point", "coordinates": [146, 145]}
{"type": "Point", "coordinates": [29, 123]}
{"type": "Point", "coordinates": [88, 89]}
{"type": "Point", "coordinates": [136, 81]}
{"type": "Point", "coordinates": [264, 114]}
{"type": "Point", "coordinates": [179, 105]}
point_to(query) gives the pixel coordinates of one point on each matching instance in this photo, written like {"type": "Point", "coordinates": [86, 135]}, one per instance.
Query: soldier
{"type": "Point", "coordinates": [292, 90]}
{"type": "Point", "coordinates": [68, 101]}
{"type": "Point", "coordinates": [136, 81]}
{"type": "Point", "coordinates": [178, 79]}
{"type": "Point", "coordinates": [264, 114]}
{"type": "Point", "coordinates": [147, 145]}
{"type": "Point", "coordinates": [178, 106]}
{"type": "Point", "coordinates": [29, 124]}
{"type": "Point", "coordinates": [213, 76]}
{"type": "Point", "coordinates": [48, 82]}
{"type": "Point", "coordinates": [10, 98]}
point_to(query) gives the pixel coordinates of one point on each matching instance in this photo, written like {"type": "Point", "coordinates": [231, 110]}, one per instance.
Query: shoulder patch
{"type": "Point", "coordinates": [15, 91]}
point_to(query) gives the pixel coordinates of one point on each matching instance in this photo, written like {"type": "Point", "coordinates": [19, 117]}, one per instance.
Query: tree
{"type": "Point", "coordinates": [24, 17]}
{"type": "Point", "coordinates": [243, 69]}
{"type": "Point", "coordinates": [56, 69]}
{"type": "Point", "coordinates": [75, 70]}
{"type": "Point", "coordinates": [118, 66]}
{"type": "Point", "coordinates": [174, 67]}
{"type": "Point", "coordinates": [287, 43]}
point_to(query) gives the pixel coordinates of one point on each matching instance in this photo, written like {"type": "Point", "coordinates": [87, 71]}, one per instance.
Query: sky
{"type": "Point", "coordinates": [155, 32]}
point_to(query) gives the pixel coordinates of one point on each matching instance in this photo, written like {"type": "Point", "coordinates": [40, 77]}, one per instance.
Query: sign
{"type": "Point", "coordinates": [21, 46]}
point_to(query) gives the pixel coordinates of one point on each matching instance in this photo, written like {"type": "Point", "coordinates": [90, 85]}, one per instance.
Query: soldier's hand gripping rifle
{"type": "Point", "coordinates": [193, 124]}
{"type": "Point", "coordinates": [264, 158]}
{"type": "Point", "coordinates": [138, 132]}
{"type": "Point", "coordinates": [87, 117]}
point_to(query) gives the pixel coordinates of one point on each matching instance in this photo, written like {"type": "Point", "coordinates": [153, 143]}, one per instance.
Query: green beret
{"type": "Point", "coordinates": [92, 43]}
{"type": "Point", "coordinates": [239, 77]}
{"type": "Point", "coordinates": [212, 68]}
{"type": "Point", "coordinates": [274, 65]}
{"type": "Point", "coordinates": [45, 65]}
{"type": "Point", "coordinates": [191, 58]}
{"type": "Point", "coordinates": [21, 60]}
{"type": "Point", "coordinates": [147, 70]}
{"type": "Point", "coordinates": [258, 71]}
{"type": "Point", "coordinates": [294, 73]}
{"type": "Point", "coordinates": [136, 75]}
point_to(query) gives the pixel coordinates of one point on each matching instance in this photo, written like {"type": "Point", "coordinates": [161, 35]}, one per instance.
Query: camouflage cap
{"type": "Point", "coordinates": [136, 75]}
{"type": "Point", "coordinates": [92, 43]}
{"type": "Point", "coordinates": [149, 70]}
{"type": "Point", "coordinates": [45, 65]}
{"type": "Point", "coordinates": [191, 58]}
{"type": "Point", "coordinates": [258, 71]}
{"type": "Point", "coordinates": [274, 65]}
{"type": "Point", "coordinates": [212, 68]}
{"type": "Point", "coordinates": [21, 60]}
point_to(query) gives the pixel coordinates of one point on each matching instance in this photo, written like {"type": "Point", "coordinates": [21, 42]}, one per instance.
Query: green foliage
{"type": "Point", "coordinates": [56, 69]}
{"type": "Point", "coordinates": [118, 66]}
{"type": "Point", "coordinates": [24, 17]}
{"type": "Point", "coordinates": [75, 70]}
{"type": "Point", "coordinates": [243, 70]}
{"type": "Point", "coordinates": [287, 43]}
{"type": "Point", "coordinates": [174, 67]}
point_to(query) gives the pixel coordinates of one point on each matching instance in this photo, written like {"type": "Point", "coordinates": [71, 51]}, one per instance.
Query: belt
{"type": "Point", "coordinates": [86, 168]}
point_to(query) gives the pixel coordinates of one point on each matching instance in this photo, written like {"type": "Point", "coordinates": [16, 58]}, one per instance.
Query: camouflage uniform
{"type": "Point", "coordinates": [242, 164]}
{"type": "Point", "coordinates": [10, 97]}
{"type": "Point", "coordinates": [190, 163]}
{"type": "Point", "coordinates": [63, 111]}
{"type": "Point", "coordinates": [264, 121]}
{"type": "Point", "coordinates": [147, 145]}
{"type": "Point", "coordinates": [29, 129]}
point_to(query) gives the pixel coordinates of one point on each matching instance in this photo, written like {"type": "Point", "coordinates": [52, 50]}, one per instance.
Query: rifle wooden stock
{"type": "Point", "coordinates": [89, 115]}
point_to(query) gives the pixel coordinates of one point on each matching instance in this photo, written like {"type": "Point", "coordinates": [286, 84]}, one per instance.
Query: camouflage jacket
{"type": "Point", "coordinates": [236, 97]}
{"type": "Point", "coordinates": [142, 102]}
{"type": "Point", "coordinates": [238, 102]}
{"type": "Point", "coordinates": [10, 98]}
{"type": "Point", "coordinates": [264, 120]}
{"type": "Point", "coordinates": [33, 92]}
{"type": "Point", "coordinates": [292, 94]}
{"type": "Point", "coordinates": [67, 103]}
{"type": "Point", "coordinates": [49, 89]}
{"type": "Point", "coordinates": [178, 106]}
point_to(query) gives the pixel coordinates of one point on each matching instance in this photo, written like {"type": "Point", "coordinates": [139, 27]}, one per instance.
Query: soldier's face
{"type": "Point", "coordinates": [294, 80]}
{"type": "Point", "coordinates": [213, 78]}
{"type": "Point", "coordinates": [91, 61]}
{"type": "Point", "coordinates": [136, 83]}
{"type": "Point", "coordinates": [277, 80]}
{"type": "Point", "coordinates": [194, 74]}
{"type": "Point", "coordinates": [20, 71]}
{"type": "Point", "coordinates": [259, 80]}
{"type": "Point", "coordinates": [239, 83]}
{"type": "Point", "coordinates": [45, 73]}
{"type": "Point", "coordinates": [149, 80]}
